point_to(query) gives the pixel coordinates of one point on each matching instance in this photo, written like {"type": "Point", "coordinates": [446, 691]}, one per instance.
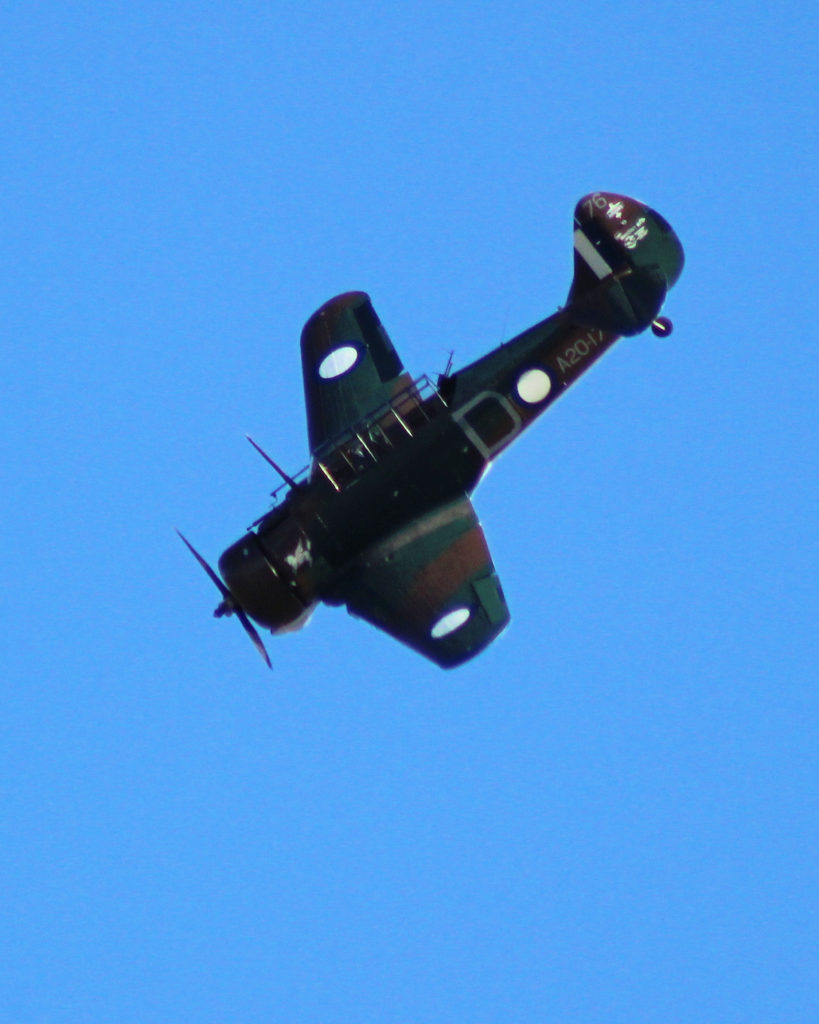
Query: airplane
{"type": "Point", "coordinates": [381, 521]}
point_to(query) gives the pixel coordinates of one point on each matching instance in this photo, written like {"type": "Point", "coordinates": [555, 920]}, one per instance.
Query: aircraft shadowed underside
{"type": "Point", "coordinates": [381, 521]}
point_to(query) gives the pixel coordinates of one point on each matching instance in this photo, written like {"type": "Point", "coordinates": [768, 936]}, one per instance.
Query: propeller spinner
{"type": "Point", "coordinates": [228, 605]}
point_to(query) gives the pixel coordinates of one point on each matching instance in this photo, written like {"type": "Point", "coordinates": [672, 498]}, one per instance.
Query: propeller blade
{"type": "Point", "coordinates": [223, 590]}
{"type": "Point", "coordinates": [229, 602]}
{"type": "Point", "coordinates": [256, 640]}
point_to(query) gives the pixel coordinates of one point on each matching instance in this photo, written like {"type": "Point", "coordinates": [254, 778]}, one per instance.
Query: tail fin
{"type": "Point", "coordinates": [626, 257]}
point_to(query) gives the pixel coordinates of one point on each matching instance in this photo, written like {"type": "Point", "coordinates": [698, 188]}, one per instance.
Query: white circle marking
{"type": "Point", "coordinates": [449, 623]}
{"type": "Point", "coordinates": [534, 385]}
{"type": "Point", "coordinates": [339, 361]}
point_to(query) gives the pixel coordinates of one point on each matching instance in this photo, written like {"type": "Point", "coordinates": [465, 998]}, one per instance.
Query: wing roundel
{"type": "Point", "coordinates": [349, 364]}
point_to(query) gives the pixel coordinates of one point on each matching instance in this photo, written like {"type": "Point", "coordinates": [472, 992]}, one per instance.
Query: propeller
{"type": "Point", "coordinates": [228, 605]}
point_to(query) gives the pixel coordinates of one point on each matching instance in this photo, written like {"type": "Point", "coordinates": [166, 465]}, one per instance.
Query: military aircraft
{"type": "Point", "coordinates": [381, 520]}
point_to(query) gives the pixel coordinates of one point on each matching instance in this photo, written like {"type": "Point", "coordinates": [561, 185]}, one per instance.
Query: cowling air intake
{"type": "Point", "coordinates": [626, 257]}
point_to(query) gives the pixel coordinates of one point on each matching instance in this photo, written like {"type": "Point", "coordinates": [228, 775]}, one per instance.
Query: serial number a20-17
{"type": "Point", "coordinates": [574, 354]}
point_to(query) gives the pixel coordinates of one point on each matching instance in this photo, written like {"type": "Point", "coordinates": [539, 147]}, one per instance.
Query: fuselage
{"type": "Point", "coordinates": [429, 448]}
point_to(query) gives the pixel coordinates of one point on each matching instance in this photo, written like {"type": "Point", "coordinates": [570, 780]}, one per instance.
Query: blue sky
{"type": "Point", "coordinates": [611, 815]}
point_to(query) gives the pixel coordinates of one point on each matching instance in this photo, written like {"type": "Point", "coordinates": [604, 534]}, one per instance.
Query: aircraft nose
{"type": "Point", "coordinates": [256, 585]}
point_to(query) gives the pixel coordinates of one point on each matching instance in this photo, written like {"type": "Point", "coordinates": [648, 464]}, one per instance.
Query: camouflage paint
{"type": "Point", "coordinates": [383, 523]}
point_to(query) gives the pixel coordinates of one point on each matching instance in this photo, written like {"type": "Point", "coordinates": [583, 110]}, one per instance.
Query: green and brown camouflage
{"type": "Point", "coordinates": [381, 520]}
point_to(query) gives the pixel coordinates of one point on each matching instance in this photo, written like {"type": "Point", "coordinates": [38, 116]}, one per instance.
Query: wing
{"type": "Point", "coordinates": [432, 586]}
{"type": "Point", "coordinates": [349, 364]}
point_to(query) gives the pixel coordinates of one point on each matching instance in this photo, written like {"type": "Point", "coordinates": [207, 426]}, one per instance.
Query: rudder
{"type": "Point", "coordinates": [626, 257]}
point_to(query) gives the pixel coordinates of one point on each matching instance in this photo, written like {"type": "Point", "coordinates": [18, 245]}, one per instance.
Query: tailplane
{"type": "Point", "coordinates": [626, 257]}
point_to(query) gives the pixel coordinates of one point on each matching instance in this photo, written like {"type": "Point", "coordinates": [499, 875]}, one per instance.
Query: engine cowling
{"type": "Point", "coordinates": [259, 589]}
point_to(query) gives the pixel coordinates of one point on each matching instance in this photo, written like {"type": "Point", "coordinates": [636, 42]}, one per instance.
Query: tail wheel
{"type": "Point", "coordinates": [662, 327]}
